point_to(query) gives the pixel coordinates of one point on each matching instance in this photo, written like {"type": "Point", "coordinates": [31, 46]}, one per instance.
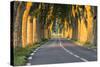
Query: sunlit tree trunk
{"type": "Point", "coordinates": [70, 33]}
{"type": "Point", "coordinates": [37, 25]}
{"type": "Point", "coordinates": [67, 32]}
{"type": "Point", "coordinates": [34, 29]}
{"type": "Point", "coordinates": [24, 24]}
{"type": "Point", "coordinates": [83, 31]}
{"type": "Point", "coordinates": [50, 28]}
{"type": "Point", "coordinates": [29, 31]}
{"type": "Point", "coordinates": [82, 26]}
{"type": "Point", "coordinates": [89, 23]}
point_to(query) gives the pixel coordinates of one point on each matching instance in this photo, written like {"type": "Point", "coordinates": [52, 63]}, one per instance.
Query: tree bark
{"type": "Point", "coordinates": [24, 24]}
{"type": "Point", "coordinates": [29, 31]}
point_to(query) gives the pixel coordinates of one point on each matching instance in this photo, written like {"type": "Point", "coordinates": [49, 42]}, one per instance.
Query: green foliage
{"type": "Point", "coordinates": [89, 45]}
{"type": "Point", "coordinates": [44, 39]}
{"type": "Point", "coordinates": [20, 54]}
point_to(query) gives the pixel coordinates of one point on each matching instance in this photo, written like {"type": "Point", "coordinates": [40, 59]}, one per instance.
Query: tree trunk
{"type": "Point", "coordinates": [89, 23]}
{"type": "Point", "coordinates": [24, 24]}
{"type": "Point", "coordinates": [16, 25]}
{"type": "Point", "coordinates": [29, 31]}
{"type": "Point", "coordinates": [34, 29]}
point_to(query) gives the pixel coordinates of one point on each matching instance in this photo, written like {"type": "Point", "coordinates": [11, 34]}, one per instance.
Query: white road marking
{"type": "Point", "coordinates": [72, 53]}
{"type": "Point", "coordinates": [28, 64]}
{"type": "Point", "coordinates": [35, 51]}
{"type": "Point", "coordinates": [32, 54]}
{"type": "Point", "coordinates": [30, 58]}
{"type": "Point", "coordinates": [37, 48]}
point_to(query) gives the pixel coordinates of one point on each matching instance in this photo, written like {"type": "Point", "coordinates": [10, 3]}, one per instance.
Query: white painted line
{"type": "Point", "coordinates": [28, 64]}
{"type": "Point", "coordinates": [76, 56]}
{"type": "Point", "coordinates": [35, 51]}
{"type": "Point", "coordinates": [72, 53]}
{"type": "Point", "coordinates": [83, 59]}
{"type": "Point", "coordinates": [32, 54]}
{"type": "Point", "coordinates": [30, 58]}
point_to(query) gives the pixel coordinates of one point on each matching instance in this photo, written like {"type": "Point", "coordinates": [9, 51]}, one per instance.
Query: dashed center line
{"type": "Point", "coordinates": [72, 53]}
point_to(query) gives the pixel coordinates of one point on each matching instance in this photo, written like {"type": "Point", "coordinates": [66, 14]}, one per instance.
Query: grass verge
{"type": "Point", "coordinates": [21, 54]}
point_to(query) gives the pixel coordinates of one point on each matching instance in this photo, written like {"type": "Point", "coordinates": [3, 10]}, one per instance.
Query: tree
{"type": "Point", "coordinates": [24, 24]}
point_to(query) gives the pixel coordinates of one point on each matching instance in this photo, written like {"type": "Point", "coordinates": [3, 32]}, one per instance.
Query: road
{"type": "Point", "coordinates": [61, 51]}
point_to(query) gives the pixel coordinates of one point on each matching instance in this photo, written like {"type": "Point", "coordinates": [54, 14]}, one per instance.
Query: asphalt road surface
{"type": "Point", "coordinates": [61, 51]}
